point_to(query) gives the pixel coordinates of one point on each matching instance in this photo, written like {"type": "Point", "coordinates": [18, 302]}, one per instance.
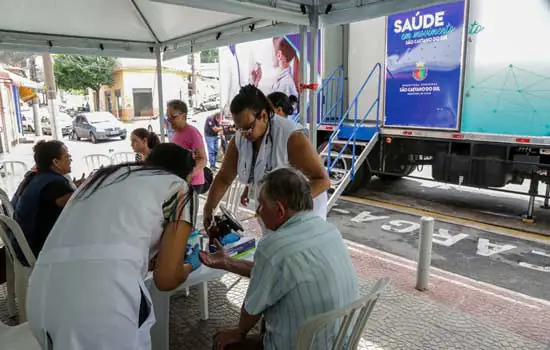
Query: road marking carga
{"type": "Point", "coordinates": [506, 231]}
{"type": "Point", "coordinates": [451, 277]}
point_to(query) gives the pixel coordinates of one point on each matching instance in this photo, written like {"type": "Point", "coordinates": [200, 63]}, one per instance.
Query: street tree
{"type": "Point", "coordinates": [210, 56]}
{"type": "Point", "coordinates": [79, 73]}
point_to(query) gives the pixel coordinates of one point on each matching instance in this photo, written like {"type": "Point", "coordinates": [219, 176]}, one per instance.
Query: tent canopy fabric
{"type": "Point", "coordinates": [132, 28]}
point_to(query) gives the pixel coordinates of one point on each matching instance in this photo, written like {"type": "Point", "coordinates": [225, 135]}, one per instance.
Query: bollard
{"type": "Point", "coordinates": [424, 253]}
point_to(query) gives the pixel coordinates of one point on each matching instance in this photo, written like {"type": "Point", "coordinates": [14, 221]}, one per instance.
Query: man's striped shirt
{"type": "Point", "coordinates": [301, 270]}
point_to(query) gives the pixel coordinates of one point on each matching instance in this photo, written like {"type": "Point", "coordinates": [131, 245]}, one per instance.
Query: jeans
{"type": "Point", "coordinates": [212, 144]}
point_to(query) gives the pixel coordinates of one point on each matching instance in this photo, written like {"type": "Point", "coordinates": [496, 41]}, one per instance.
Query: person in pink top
{"type": "Point", "coordinates": [188, 137]}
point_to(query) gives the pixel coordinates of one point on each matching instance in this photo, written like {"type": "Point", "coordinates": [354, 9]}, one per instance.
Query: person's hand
{"type": "Point", "coordinates": [192, 257]}
{"type": "Point", "coordinates": [244, 198]}
{"type": "Point", "coordinates": [216, 260]}
{"type": "Point", "coordinates": [77, 183]}
{"type": "Point", "coordinates": [227, 337]}
{"type": "Point", "coordinates": [211, 230]}
{"type": "Point", "coordinates": [256, 75]}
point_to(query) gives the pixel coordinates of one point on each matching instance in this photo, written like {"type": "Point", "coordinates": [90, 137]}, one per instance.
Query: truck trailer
{"type": "Point", "coordinates": [462, 87]}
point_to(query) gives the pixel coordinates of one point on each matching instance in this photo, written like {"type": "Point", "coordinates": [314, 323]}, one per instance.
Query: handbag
{"type": "Point", "coordinates": [208, 178]}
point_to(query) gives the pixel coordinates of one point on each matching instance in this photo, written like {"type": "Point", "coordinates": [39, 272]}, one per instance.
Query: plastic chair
{"type": "Point", "coordinates": [8, 210]}
{"type": "Point", "coordinates": [18, 338]}
{"type": "Point", "coordinates": [96, 161]}
{"type": "Point", "coordinates": [12, 171]}
{"type": "Point", "coordinates": [8, 166]}
{"type": "Point", "coordinates": [21, 272]}
{"type": "Point", "coordinates": [353, 318]}
{"type": "Point", "coordinates": [123, 157]}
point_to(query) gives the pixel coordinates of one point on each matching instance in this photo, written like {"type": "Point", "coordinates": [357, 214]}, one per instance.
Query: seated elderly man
{"type": "Point", "coordinates": [301, 268]}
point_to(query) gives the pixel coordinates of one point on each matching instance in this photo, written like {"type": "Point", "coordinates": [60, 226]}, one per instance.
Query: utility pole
{"type": "Point", "coordinates": [51, 93]}
{"type": "Point", "coordinates": [35, 100]}
{"type": "Point", "coordinates": [192, 98]}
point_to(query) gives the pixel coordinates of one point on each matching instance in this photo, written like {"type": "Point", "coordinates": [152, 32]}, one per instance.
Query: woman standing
{"type": "Point", "coordinates": [143, 142]}
{"type": "Point", "coordinates": [264, 142]}
{"type": "Point", "coordinates": [87, 289]}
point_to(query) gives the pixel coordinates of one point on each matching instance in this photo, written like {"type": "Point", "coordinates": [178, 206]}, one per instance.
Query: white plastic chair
{"type": "Point", "coordinates": [123, 157]}
{"type": "Point", "coordinates": [12, 172]}
{"type": "Point", "coordinates": [17, 338]}
{"type": "Point", "coordinates": [96, 161]}
{"type": "Point", "coordinates": [352, 318]}
{"type": "Point", "coordinates": [21, 272]}
{"type": "Point", "coordinates": [8, 210]}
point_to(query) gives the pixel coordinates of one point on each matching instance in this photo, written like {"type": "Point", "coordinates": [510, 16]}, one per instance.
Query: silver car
{"type": "Point", "coordinates": [97, 126]}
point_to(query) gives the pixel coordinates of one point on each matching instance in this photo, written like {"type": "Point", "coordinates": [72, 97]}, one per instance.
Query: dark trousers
{"type": "Point", "coordinates": [251, 342]}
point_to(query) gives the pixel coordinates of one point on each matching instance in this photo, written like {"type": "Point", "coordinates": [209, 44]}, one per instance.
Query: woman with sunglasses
{"type": "Point", "coordinates": [264, 142]}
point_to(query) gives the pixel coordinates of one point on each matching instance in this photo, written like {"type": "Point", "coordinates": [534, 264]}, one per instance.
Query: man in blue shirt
{"type": "Point", "coordinates": [212, 130]}
{"type": "Point", "coordinates": [301, 269]}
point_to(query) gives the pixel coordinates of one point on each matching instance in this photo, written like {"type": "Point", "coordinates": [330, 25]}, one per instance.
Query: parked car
{"type": "Point", "coordinates": [97, 126]}
{"type": "Point", "coordinates": [27, 120]}
{"type": "Point", "coordinates": [213, 102]}
{"type": "Point", "coordinates": [64, 120]}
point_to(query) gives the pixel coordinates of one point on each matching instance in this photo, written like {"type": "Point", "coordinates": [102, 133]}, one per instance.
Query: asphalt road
{"type": "Point", "coordinates": [481, 205]}
{"type": "Point", "coordinates": [515, 263]}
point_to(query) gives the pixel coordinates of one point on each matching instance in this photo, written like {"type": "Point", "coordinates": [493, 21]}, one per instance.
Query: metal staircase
{"type": "Point", "coordinates": [348, 149]}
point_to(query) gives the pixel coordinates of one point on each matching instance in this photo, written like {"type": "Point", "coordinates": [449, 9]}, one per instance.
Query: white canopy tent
{"type": "Point", "coordinates": [173, 28]}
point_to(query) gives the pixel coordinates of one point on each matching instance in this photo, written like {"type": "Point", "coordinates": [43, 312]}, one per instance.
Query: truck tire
{"type": "Point", "coordinates": [361, 175]}
{"type": "Point", "coordinates": [403, 169]}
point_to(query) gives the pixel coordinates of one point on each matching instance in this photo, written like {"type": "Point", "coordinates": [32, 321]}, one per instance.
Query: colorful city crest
{"type": "Point", "coordinates": [421, 72]}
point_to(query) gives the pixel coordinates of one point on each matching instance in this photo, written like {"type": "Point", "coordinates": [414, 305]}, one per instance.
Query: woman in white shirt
{"type": "Point", "coordinates": [87, 289]}
{"type": "Point", "coordinates": [264, 142]}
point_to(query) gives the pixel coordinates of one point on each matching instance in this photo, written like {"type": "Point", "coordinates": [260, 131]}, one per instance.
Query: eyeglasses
{"type": "Point", "coordinates": [173, 115]}
{"type": "Point", "coordinates": [249, 129]}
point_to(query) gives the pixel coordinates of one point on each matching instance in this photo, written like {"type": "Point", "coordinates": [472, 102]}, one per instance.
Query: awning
{"type": "Point", "coordinates": [20, 81]}
{"type": "Point", "coordinates": [133, 28]}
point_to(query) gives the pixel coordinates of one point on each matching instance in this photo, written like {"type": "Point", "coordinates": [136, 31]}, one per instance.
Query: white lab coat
{"type": "Point", "coordinates": [285, 83]}
{"type": "Point", "coordinates": [84, 291]}
{"type": "Point", "coordinates": [273, 154]}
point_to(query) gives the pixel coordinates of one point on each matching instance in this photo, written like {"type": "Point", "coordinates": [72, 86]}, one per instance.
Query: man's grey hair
{"type": "Point", "coordinates": [288, 186]}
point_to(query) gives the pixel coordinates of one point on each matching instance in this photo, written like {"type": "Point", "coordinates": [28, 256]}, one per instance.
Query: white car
{"type": "Point", "coordinates": [65, 122]}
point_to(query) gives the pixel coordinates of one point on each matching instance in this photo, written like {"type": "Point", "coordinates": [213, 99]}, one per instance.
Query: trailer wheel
{"type": "Point", "coordinates": [403, 169]}
{"type": "Point", "coordinates": [361, 175]}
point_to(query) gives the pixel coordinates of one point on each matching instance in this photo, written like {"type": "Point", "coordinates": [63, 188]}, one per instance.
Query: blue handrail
{"type": "Point", "coordinates": [377, 69]}
{"type": "Point", "coordinates": [330, 97]}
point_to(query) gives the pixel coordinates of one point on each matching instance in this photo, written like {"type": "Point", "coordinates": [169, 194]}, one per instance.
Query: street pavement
{"type": "Point", "coordinates": [486, 288]}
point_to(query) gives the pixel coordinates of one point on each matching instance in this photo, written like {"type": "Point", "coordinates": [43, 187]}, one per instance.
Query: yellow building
{"type": "Point", "coordinates": [134, 93]}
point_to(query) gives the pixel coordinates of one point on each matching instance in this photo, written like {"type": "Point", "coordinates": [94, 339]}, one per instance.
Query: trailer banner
{"type": "Point", "coordinates": [424, 67]}
{"type": "Point", "coordinates": [272, 65]}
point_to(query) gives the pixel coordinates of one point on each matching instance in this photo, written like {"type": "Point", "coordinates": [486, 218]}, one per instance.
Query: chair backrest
{"type": "Point", "coordinates": [5, 202]}
{"type": "Point", "coordinates": [10, 166]}
{"type": "Point", "coordinates": [96, 161]}
{"type": "Point", "coordinates": [12, 225]}
{"type": "Point", "coordinates": [123, 157]}
{"type": "Point", "coordinates": [352, 317]}
{"type": "Point", "coordinates": [12, 172]}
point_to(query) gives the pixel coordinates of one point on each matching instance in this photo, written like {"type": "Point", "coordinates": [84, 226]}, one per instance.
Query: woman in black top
{"type": "Point", "coordinates": [143, 142]}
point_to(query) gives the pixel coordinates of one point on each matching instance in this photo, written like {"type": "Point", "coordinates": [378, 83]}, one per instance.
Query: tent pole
{"type": "Point", "coordinates": [314, 73]}
{"type": "Point", "coordinates": [304, 74]}
{"type": "Point", "coordinates": [159, 87]}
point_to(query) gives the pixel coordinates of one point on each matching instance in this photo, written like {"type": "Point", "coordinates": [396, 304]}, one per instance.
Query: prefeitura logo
{"type": "Point", "coordinates": [421, 72]}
